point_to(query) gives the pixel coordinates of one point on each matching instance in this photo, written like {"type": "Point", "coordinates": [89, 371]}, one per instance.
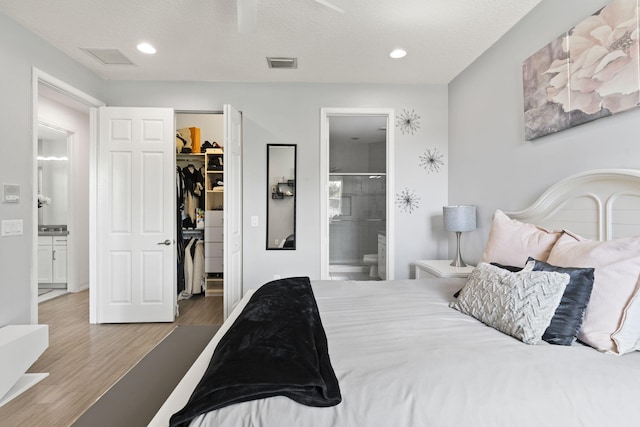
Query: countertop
{"type": "Point", "coordinates": [53, 230]}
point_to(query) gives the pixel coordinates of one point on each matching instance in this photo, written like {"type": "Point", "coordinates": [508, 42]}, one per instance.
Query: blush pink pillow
{"type": "Point", "coordinates": [512, 242]}
{"type": "Point", "coordinates": [612, 318]}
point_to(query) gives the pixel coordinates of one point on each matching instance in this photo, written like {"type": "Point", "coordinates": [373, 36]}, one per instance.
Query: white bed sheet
{"type": "Point", "coordinates": [404, 358]}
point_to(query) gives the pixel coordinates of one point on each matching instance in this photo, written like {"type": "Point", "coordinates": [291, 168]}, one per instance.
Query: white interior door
{"type": "Point", "coordinates": [232, 208]}
{"type": "Point", "coordinates": [135, 218]}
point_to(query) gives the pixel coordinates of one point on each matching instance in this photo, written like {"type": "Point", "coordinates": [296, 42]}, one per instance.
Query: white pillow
{"type": "Point", "coordinates": [512, 242]}
{"type": "Point", "coordinates": [612, 318]}
{"type": "Point", "coordinates": [518, 304]}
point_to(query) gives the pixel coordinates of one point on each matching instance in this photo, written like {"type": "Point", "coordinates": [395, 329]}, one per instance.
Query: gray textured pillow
{"type": "Point", "coordinates": [518, 304]}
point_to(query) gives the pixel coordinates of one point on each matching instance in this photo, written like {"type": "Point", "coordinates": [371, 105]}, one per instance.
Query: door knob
{"type": "Point", "coordinates": [166, 242]}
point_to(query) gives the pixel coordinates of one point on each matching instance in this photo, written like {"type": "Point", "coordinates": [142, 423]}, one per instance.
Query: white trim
{"type": "Point", "coordinates": [324, 195]}
{"type": "Point", "coordinates": [39, 76]}
{"type": "Point", "coordinates": [58, 84]}
{"type": "Point", "coordinates": [93, 214]}
{"type": "Point", "coordinates": [324, 180]}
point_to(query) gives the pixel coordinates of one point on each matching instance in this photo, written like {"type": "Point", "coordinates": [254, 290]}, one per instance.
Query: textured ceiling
{"type": "Point", "coordinates": [198, 40]}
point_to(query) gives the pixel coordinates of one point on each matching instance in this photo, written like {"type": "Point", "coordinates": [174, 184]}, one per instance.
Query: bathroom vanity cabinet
{"type": "Point", "coordinates": [52, 259]}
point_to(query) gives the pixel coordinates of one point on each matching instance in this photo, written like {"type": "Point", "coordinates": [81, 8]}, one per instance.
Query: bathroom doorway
{"type": "Point", "coordinates": [62, 108]}
{"type": "Point", "coordinates": [53, 203]}
{"type": "Point", "coordinates": [357, 209]}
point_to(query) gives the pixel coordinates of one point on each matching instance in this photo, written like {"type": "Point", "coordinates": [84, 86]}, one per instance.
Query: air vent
{"type": "Point", "coordinates": [290, 63]}
{"type": "Point", "coordinates": [109, 56]}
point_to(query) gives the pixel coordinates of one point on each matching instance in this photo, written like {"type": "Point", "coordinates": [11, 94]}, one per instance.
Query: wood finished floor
{"type": "Point", "coordinates": [84, 360]}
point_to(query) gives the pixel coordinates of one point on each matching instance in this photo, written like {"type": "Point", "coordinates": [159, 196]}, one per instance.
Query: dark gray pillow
{"type": "Point", "coordinates": [567, 320]}
{"type": "Point", "coordinates": [510, 268]}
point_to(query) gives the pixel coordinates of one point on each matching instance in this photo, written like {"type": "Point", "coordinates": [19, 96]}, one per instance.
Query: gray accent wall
{"type": "Point", "coordinates": [20, 50]}
{"type": "Point", "coordinates": [290, 114]}
{"type": "Point", "coordinates": [491, 164]}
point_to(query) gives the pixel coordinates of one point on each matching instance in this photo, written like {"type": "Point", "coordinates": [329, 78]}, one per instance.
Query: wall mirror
{"type": "Point", "coordinates": [281, 196]}
{"type": "Point", "coordinates": [53, 176]}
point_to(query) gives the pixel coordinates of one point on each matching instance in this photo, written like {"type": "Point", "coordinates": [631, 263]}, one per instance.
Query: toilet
{"type": "Point", "coordinates": [371, 260]}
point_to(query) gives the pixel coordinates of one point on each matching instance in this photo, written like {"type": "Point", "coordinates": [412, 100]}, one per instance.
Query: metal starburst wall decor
{"type": "Point", "coordinates": [431, 160]}
{"type": "Point", "coordinates": [407, 201]}
{"type": "Point", "coordinates": [408, 122]}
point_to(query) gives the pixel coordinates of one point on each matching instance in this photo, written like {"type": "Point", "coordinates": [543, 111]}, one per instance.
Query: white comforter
{"type": "Point", "coordinates": [404, 358]}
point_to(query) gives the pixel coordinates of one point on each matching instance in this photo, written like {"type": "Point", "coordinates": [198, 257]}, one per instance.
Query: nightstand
{"type": "Point", "coordinates": [429, 269]}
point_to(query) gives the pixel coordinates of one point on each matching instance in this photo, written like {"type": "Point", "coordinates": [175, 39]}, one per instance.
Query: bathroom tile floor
{"type": "Point", "coordinates": [53, 293]}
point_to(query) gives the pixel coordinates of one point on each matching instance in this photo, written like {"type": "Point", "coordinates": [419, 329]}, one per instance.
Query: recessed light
{"type": "Point", "coordinates": [398, 53]}
{"type": "Point", "coordinates": [146, 48]}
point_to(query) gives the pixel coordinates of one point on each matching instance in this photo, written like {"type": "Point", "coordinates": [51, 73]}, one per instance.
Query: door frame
{"type": "Point", "coordinates": [39, 76]}
{"type": "Point", "coordinates": [325, 114]}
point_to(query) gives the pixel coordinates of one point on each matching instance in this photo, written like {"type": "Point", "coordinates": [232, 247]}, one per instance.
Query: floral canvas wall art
{"type": "Point", "coordinates": [590, 72]}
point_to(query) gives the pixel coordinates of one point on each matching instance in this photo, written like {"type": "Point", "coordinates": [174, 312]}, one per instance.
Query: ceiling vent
{"type": "Point", "coordinates": [109, 56]}
{"type": "Point", "coordinates": [290, 63]}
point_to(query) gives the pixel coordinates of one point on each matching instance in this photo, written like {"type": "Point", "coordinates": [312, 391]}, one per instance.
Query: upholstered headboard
{"type": "Point", "coordinates": [599, 205]}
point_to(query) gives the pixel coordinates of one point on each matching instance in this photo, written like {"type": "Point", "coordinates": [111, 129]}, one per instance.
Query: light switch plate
{"type": "Point", "coordinates": [11, 227]}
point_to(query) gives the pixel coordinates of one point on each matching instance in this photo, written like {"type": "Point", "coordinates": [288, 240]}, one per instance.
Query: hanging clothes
{"type": "Point", "coordinates": [203, 173]}
{"type": "Point", "coordinates": [179, 238]}
{"type": "Point", "coordinates": [194, 191]}
{"type": "Point", "coordinates": [194, 273]}
{"type": "Point", "coordinates": [198, 280]}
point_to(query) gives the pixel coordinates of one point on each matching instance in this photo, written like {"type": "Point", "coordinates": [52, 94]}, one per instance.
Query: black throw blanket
{"type": "Point", "coordinates": [276, 347]}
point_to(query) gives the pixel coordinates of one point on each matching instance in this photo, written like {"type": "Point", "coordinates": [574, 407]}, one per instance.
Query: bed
{"type": "Point", "coordinates": [404, 356]}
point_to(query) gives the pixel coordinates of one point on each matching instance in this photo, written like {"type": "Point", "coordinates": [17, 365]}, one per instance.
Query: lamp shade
{"type": "Point", "coordinates": [459, 218]}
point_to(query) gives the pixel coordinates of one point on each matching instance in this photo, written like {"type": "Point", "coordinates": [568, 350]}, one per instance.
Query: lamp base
{"type": "Point", "coordinates": [457, 261]}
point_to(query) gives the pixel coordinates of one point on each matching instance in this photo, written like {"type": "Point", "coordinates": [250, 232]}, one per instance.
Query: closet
{"type": "Point", "coordinates": [200, 204]}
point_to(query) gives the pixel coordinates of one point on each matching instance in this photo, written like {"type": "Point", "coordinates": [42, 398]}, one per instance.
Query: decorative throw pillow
{"type": "Point", "coordinates": [569, 315]}
{"type": "Point", "coordinates": [511, 242]}
{"type": "Point", "coordinates": [518, 304]}
{"type": "Point", "coordinates": [506, 267]}
{"type": "Point", "coordinates": [612, 318]}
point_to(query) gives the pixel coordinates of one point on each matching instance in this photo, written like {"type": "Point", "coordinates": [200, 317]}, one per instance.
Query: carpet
{"type": "Point", "coordinates": [137, 396]}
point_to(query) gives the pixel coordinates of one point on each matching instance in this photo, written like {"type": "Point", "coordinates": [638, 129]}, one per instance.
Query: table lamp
{"type": "Point", "coordinates": [459, 219]}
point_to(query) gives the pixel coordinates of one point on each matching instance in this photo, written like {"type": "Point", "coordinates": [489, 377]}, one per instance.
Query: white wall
{"type": "Point", "coordinates": [21, 50]}
{"type": "Point", "coordinates": [211, 126]}
{"type": "Point", "coordinates": [290, 114]}
{"type": "Point", "coordinates": [55, 113]}
{"type": "Point", "coordinates": [492, 165]}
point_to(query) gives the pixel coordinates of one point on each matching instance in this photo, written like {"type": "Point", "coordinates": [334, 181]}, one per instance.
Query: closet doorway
{"type": "Point", "coordinates": [357, 201]}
